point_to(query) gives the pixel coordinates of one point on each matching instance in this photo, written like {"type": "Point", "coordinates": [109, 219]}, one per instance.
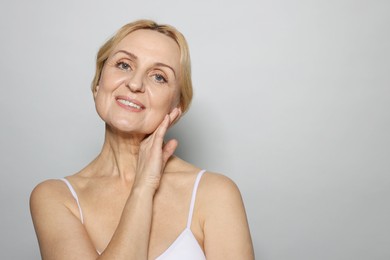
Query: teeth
{"type": "Point", "coordinates": [128, 103]}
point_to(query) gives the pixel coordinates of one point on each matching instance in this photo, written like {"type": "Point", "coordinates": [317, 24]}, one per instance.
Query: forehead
{"type": "Point", "coordinates": [151, 45]}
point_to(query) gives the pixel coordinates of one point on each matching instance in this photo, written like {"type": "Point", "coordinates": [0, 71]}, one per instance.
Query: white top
{"type": "Point", "coordinates": [185, 246]}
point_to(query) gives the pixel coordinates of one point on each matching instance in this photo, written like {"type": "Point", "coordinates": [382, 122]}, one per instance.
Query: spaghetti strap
{"type": "Point", "coordinates": [74, 194]}
{"type": "Point", "coordinates": [193, 198]}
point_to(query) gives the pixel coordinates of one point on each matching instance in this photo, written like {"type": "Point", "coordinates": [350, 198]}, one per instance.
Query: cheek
{"type": "Point", "coordinates": [108, 83]}
{"type": "Point", "coordinates": [103, 100]}
{"type": "Point", "coordinates": [164, 99]}
{"type": "Point", "coordinates": [100, 105]}
{"type": "Point", "coordinates": [163, 106]}
{"type": "Point", "coordinates": [176, 100]}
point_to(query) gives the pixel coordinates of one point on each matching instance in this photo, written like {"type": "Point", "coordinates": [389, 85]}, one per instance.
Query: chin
{"type": "Point", "coordinates": [128, 128]}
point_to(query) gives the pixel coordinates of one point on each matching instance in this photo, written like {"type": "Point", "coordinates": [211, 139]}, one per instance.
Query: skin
{"type": "Point", "coordinates": [135, 195]}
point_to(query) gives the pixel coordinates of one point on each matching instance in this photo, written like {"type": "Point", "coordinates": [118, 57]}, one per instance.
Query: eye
{"type": "Point", "coordinates": [123, 65]}
{"type": "Point", "coordinates": [160, 78]}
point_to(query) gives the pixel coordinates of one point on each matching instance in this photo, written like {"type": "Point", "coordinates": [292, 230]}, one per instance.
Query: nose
{"type": "Point", "coordinates": [135, 84]}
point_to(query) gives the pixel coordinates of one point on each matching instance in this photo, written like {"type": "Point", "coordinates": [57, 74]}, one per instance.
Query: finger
{"type": "Point", "coordinates": [162, 128]}
{"type": "Point", "coordinates": [158, 135]}
{"type": "Point", "coordinates": [175, 116]}
{"type": "Point", "coordinates": [168, 149]}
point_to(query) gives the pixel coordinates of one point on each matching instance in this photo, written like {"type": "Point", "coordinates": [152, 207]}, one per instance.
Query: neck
{"type": "Point", "coordinates": [119, 155]}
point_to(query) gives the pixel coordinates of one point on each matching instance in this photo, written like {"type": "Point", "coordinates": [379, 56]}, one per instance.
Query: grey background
{"type": "Point", "coordinates": [291, 102]}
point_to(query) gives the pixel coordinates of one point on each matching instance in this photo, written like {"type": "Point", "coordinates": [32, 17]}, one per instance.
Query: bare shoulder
{"type": "Point", "coordinates": [47, 190]}
{"type": "Point", "coordinates": [218, 194]}
{"type": "Point", "coordinates": [218, 180]}
{"type": "Point", "coordinates": [223, 217]}
{"type": "Point", "coordinates": [49, 195]}
{"type": "Point", "coordinates": [216, 187]}
{"type": "Point", "coordinates": [56, 221]}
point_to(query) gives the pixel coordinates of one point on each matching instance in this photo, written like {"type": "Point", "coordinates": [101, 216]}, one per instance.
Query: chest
{"type": "Point", "coordinates": [102, 213]}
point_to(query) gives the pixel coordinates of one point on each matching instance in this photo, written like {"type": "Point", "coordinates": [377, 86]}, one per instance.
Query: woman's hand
{"type": "Point", "coordinates": [154, 154]}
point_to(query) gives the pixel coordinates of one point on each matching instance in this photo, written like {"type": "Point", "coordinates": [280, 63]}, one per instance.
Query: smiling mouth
{"type": "Point", "coordinates": [129, 103]}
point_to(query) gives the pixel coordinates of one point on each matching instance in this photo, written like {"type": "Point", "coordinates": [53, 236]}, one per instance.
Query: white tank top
{"type": "Point", "coordinates": [185, 246]}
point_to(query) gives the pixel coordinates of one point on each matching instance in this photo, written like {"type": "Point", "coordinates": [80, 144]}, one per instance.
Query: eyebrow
{"type": "Point", "coordinates": [127, 53]}
{"type": "Point", "coordinates": [159, 64]}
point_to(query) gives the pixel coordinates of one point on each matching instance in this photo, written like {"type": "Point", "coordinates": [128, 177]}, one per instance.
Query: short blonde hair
{"type": "Point", "coordinates": [185, 82]}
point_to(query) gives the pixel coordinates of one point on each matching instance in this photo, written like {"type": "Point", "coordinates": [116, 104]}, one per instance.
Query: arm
{"type": "Point", "coordinates": [226, 230]}
{"type": "Point", "coordinates": [131, 238]}
{"type": "Point", "coordinates": [60, 232]}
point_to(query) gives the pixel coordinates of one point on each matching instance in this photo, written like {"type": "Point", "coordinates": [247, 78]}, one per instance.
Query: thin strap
{"type": "Point", "coordinates": [74, 194]}
{"type": "Point", "coordinates": [193, 198]}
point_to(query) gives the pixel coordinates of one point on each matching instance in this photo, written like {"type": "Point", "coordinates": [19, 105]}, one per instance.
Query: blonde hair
{"type": "Point", "coordinates": [185, 82]}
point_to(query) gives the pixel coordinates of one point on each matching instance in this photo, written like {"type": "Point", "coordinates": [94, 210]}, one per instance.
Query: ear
{"type": "Point", "coordinates": [96, 90]}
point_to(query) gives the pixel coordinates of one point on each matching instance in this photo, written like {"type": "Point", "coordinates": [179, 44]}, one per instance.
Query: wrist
{"type": "Point", "coordinates": [146, 185]}
{"type": "Point", "coordinates": [143, 191]}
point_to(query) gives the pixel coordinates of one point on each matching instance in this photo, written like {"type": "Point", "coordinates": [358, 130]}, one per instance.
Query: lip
{"type": "Point", "coordinates": [132, 101]}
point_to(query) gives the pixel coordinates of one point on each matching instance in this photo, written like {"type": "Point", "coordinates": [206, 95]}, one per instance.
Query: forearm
{"type": "Point", "coordinates": [131, 238]}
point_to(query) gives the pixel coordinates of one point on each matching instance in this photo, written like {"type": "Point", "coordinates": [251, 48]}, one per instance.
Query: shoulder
{"type": "Point", "coordinates": [216, 187]}
{"type": "Point", "coordinates": [56, 221]}
{"type": "Point", "coordinates": [223, 219]}
{"type": "Point", "coordinates": [48, 194]}
{"type": "Point", "coordinates": [47, 189]}
{"type": "Point", "coordinates": [218, 179]}
{"type": "Point", "coordinates": [217, 196]}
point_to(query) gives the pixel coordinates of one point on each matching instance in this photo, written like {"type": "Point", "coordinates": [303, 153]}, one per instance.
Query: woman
{"type": "Point", "coordinates": [136, 200]}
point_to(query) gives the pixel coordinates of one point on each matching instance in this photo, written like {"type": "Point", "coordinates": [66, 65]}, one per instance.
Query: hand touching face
{"type": "Point", "coordinates": [139, 82]}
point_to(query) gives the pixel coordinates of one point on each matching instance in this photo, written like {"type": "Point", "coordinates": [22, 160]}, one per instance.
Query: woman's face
{"type": "Point", "coordinates": [139, 82]}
